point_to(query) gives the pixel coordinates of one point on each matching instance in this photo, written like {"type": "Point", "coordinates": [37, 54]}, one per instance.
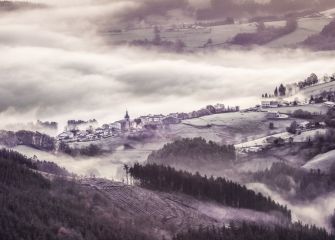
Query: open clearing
{"type": "Point", "coordinates": [235, 128]}
{"type": "Point", "coordinates": [171, 213]}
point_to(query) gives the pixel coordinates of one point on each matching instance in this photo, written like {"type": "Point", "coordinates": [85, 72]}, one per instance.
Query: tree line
{"type": "Point", "coordinates": [91, 150]}
{"type": "Point", "coordinates": [251, 231]}
{"type": "Point", "coordinates": [226, 192]}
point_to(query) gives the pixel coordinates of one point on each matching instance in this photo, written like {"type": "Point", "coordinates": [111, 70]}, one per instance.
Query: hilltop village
{"type": "Point", "coordinates": [292, 113]}
{"type": "Point", "coordinates": [85, 131]}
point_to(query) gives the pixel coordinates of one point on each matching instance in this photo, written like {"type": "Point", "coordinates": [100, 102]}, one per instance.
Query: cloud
{"type": "Point", "coordinates": [56, 65]}
{"type": "Point", "coordinates": [316, 212]}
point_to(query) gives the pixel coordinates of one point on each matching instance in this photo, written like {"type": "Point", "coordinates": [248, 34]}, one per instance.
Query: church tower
{"type": "Point", "coordinates": [126, 117]}
{"type": "Point", "coordinates": [127, 121]}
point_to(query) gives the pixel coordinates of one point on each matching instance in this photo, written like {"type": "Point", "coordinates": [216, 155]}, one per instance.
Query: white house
{"type": "Point", "coordinates": [270, 103]}
{"type": "Point", "coordinates": [330, 104]}
{"type": "Point", "coordinates": [65, 135]}
{"type": "Point", "coordinates": [116, 126]}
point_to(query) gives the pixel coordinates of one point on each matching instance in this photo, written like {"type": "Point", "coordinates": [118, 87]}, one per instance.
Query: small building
{"type": "Point", "coordinates": [65, 135]}
{"type": "Point", "coordinates": [152, 119]}
{"type": "Point", "coordinates": [329, 104]}
{"type": "Point", "coordinates": [270, 104]}
{"type": "Point", "coordinates": [272, 115]}
{"type": "Point", "coordinates": [276, 115]}
{"type": "Point", "coordinates": [304, 125]}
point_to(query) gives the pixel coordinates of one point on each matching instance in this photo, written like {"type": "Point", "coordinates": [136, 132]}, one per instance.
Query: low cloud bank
{"type": "Point", "coordinates": [316, 212]}
{"type": "Point", "coordinates": [66, 70]}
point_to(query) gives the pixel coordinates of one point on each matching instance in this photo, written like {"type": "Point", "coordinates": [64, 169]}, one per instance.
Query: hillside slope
{"type": "Point", "coordinates": [171, 213]}
{"type": "Point", "coordinates": [35, 208]}
{"type": "Point", "coordinates": [322, 161]}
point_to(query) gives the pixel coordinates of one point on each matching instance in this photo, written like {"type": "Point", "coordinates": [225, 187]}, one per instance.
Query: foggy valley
{"type": "Point", "coordinates": [167, 119]}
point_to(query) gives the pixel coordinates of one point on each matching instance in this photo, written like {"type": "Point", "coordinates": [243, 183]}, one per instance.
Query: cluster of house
{"type": "Point", "coordinates": [279, 102]}
{"type": "Point", "coordinates": [319, 92]}
{"type": "Point", "coordinates": [189, 28]}
{"type": "Point", "coordinates": [88, 132]}
{"type": "Point", "coordinates": [82, 131]}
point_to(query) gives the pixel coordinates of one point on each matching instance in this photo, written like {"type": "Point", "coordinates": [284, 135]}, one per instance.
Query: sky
{"type": "Point", "coordinates": [55, 65]}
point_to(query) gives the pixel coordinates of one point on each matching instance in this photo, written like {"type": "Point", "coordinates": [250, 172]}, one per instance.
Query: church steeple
{"type": "Point", "coordinates": [126, 117]}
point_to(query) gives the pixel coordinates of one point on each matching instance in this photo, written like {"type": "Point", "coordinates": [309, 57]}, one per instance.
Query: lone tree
{"type": "Point", "coordinates": [126, 168]}
{"type": "Point", "coordinates": [293, 127]}
{"type": "Point", "coordinates": [311, 99]}
{"type": "Point", "coordinates": [312, 79]}
{"type": "Point", "coordinates": [271, 125]}
{"type": "Point", "coordinates": [276, 92]}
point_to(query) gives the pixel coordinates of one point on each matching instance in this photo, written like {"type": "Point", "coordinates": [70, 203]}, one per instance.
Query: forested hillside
{"type": "Point", "coordinates": [34, 208]}
{"type": "Point", "coordinates": [193, 151]}
{"type": "Point", "coordinates": [43, 166]}
{"type": "Point", "coordinates": [223, 191]}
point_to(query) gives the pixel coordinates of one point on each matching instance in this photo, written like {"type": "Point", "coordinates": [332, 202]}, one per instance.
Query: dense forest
{"type": "Point", "coordinates": [246, 231]}
{"type": "Point", "coordinates": [34, 208]}
{"type": "Point", "coordinates": [193, 151]}
{"type": "Point", "coordinates": [223, 191]}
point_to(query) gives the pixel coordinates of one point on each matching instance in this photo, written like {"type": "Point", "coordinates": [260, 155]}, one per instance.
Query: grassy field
{"type": "Point", "coordinates": [236, 127]}
{"type": "Point", "coordinates": [313, 108]}
{"type": "Point", "coordinates": [223, 33]}
{"type": "Point", "coordinates": [192, 38]}
{"type": "Point", "coordinates": [306, 28]}
{"type": "Point", "coordinates": [321, 161]}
